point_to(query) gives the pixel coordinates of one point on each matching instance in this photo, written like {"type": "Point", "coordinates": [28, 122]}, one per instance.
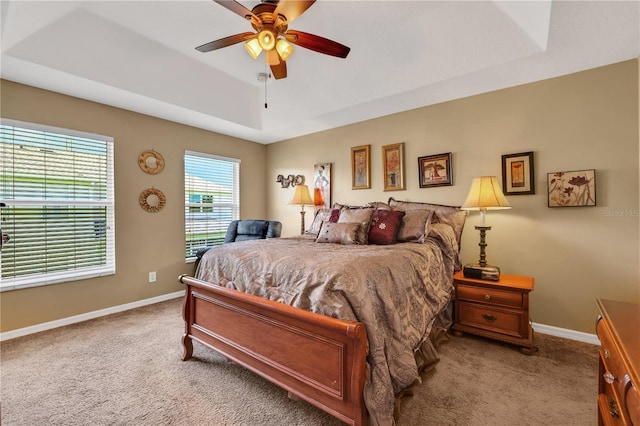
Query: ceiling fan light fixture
{"type": "Point", "coordinates": [253, 48]}
{"type": "Point", "coordinates": [284, 48]}
{"type": "Point", "coordinates": [270, 21]}
{"type": "Point", "coordinates": [267, 39]}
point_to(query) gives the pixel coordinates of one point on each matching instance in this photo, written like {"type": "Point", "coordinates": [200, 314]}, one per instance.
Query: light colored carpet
{"type": "Point", "coordinates": [125, 369]}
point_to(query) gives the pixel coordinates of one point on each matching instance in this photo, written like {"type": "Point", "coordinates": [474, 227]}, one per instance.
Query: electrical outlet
{"type": "Point", "coordinates": [152, 277]}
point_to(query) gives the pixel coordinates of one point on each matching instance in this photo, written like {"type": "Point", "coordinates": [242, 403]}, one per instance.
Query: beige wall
{"type": "Point", "coordinates": [580, 121]}
{"type": "Point", "coordinates": [585, 120]}
{"type": "Point", "coordinates": [144, 241]}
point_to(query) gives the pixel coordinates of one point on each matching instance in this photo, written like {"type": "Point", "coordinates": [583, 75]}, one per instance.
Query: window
{"type": "Point", "coordinates": [212, 199]}
{"type": "Point", "coordinates": [58, 188]}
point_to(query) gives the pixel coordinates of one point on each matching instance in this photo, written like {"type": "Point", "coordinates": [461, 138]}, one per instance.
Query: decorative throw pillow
{"type": "Point", "coordinates": [321, 216]}
{"type": "Point", "coordinates": [384, 226]}
{"type": "Point", "coordinates": [450, 215]}
{"type": "Point", "coordinates": [361, 216]}
{"type": "Point", "coordinates": [345, 206]}
{"type": "Point", "coordinates": [414, 205]}
{"type": "Point", "coordinates": [335, 215]}
{"type": "Point", "coordinates": [340, 233]}
{"type": "Point", "coordinates": [415, 225]}
{"type": "Point", "coordinates": [379, 205]}
{"type": "Point", "coordinates": [455, 220]}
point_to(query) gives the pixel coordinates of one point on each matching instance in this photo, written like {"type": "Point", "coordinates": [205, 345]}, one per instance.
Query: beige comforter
{"type": "Point", "coordinates": [396, 291]}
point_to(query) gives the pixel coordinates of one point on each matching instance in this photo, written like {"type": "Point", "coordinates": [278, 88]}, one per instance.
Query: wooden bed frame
{"type": "Point", "coordinates": [316, 358]}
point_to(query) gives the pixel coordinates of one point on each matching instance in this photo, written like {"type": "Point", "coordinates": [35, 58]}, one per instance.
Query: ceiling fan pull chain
{"type": "Point", "coordinates": [265, 85]}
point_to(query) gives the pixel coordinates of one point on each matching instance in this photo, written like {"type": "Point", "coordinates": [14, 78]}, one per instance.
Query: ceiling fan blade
{"type": "Point", "coordinates": [224, 42]}
{"type": "Point", "coordinates": [279, 71]}
{"type": "Point", "coordinates": [291, 9]}
{"type": "Point", "coordinates": [236, 8]}
{"type": "Point", "coordinates": [272, 57]}
{"type": "Point", "coordinates": [317, 43]}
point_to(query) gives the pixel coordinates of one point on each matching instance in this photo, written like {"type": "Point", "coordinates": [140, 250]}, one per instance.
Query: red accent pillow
{"type": "Point", "coordinates": [334, 216]}
{"type": "Point", "coordinates": [384, 226]}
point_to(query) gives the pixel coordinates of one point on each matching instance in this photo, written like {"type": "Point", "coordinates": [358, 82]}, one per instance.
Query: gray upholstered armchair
{"type": "Point", "coordinates": [249, 229]}
{"type": "Point", "coordinates": [252, 229]}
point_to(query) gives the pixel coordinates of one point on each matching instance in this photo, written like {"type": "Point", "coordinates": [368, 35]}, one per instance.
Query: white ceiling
{"type": "Point", "coordinates": [140, 55]}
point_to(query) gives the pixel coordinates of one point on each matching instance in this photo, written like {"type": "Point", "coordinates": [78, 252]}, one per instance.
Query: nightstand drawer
{"type": "Point", "coordinates": [481, 317]}
{"type": "Point", "coordinates": [489, 296]}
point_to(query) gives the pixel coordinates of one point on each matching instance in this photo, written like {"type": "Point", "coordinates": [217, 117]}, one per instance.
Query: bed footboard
{"type": "Point", "coordinates": [319, 359]}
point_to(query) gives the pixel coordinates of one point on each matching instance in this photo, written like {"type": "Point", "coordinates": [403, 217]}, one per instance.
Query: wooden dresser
{"type": "Point", "coordinates": [494, 309]}
{"type": "Point", "coordinates": [618, 329]}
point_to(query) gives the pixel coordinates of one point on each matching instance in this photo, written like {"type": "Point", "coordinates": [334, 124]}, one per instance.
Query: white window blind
{"type": "Point", "coordinates": [58, 188]}
{"type": "Point", "coordinates": [212, 199]}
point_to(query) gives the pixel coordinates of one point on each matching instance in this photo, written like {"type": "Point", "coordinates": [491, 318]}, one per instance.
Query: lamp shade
{"type": "Point", "coordinates": [284, 48]}
{"type": "Point", "coordinates": [301, 196]}
{"type": "Point", "coordinates": [267, 39]}
{"type": "Point", "coordinates": [485, 194]}
{"type": "Point", "coordinates": [253, 47]}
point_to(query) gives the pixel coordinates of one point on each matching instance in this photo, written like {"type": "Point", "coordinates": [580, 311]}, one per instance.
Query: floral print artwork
{"type": "Point", "coordinates": [572, 189]}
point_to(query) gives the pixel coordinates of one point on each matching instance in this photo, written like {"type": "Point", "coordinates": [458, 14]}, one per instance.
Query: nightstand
{"type": "Point", "coordinates": [494, 309]}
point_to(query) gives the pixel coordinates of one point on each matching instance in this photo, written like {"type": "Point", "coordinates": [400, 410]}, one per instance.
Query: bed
{"type": "Point", "coordinates": [347, 323]}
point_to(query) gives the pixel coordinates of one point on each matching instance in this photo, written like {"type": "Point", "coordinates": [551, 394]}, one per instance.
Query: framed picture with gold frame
{"type": "Point", "coordinates": [361, 167]}
{"type": "Point", "coordinates": [393, 166]}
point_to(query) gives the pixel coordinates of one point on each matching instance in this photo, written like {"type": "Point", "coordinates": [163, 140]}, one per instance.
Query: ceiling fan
{"type": "Point", "coordinates": [270, 19]}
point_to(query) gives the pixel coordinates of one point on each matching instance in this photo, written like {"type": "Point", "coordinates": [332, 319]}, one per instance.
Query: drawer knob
{"type": "Point", "coordinates": [489, 317]}
{"type": "Point", "coordinates": [609, 378]}
{"type": "Point", "coordinates": [606, 354]}
{"type": "Point", "coordinates": [487, 297]}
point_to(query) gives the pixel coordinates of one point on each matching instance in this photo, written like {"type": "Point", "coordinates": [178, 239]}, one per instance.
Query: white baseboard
{"type": "Point", "coordinates": [566, 333]}
{"type": "Point", "coordinates": [7, 335]}
{"type": "Point", "coordinates": [538, 328]}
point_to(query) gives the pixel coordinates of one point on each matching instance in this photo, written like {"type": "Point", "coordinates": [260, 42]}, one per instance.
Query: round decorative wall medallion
{"type": "Point", "coordinates": [152, 200]}
{"type": "Point", "coordinates": [151, 162]}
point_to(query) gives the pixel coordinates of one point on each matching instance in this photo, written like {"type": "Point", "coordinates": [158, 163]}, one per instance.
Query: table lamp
{"type": "Point", "coordinates": [301, 197]}
{"type": "Point", "coordinates": [485, 194]}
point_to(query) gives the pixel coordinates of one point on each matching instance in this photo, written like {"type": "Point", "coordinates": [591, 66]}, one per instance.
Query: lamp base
{"type": "Point", "coordinates": [479, 272]}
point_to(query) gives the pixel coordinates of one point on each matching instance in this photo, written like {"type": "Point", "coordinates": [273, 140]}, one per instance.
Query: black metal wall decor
{"type": "Point", "coordinates": [290, 180]}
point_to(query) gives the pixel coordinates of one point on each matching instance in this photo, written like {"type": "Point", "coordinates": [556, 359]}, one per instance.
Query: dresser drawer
{"type": "Point", "coordinates": [619, 370]}
{"type": "Point", "coordinates": [608, 409]}
{"type": "Point", "coordinates": [499, 321]}
{"type": "Point", "coordinates": [632, 402]}
{"type": "Point", "coordinates": [489, 296]}
{"type": "Point", "coordinates": [613, 364]}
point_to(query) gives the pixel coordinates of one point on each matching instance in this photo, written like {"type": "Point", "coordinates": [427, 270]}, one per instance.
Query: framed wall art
{"type": "Point", "coordinates": [393, 166]}
{"type": "Point", "coordinates": [518, 177]}
{"type": "Point", "coordinates": [361, 167]}
{"type": "Point", "coordinates": [435, 170]}
{"type": "Point", "coordinates": [572, 189]}
{"type": "Point", "coordinates": [151, 162]}
{"type": "Point", "coordinates": [322, 186]}
{"type": "Point", "coordinates": [152, 200]}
